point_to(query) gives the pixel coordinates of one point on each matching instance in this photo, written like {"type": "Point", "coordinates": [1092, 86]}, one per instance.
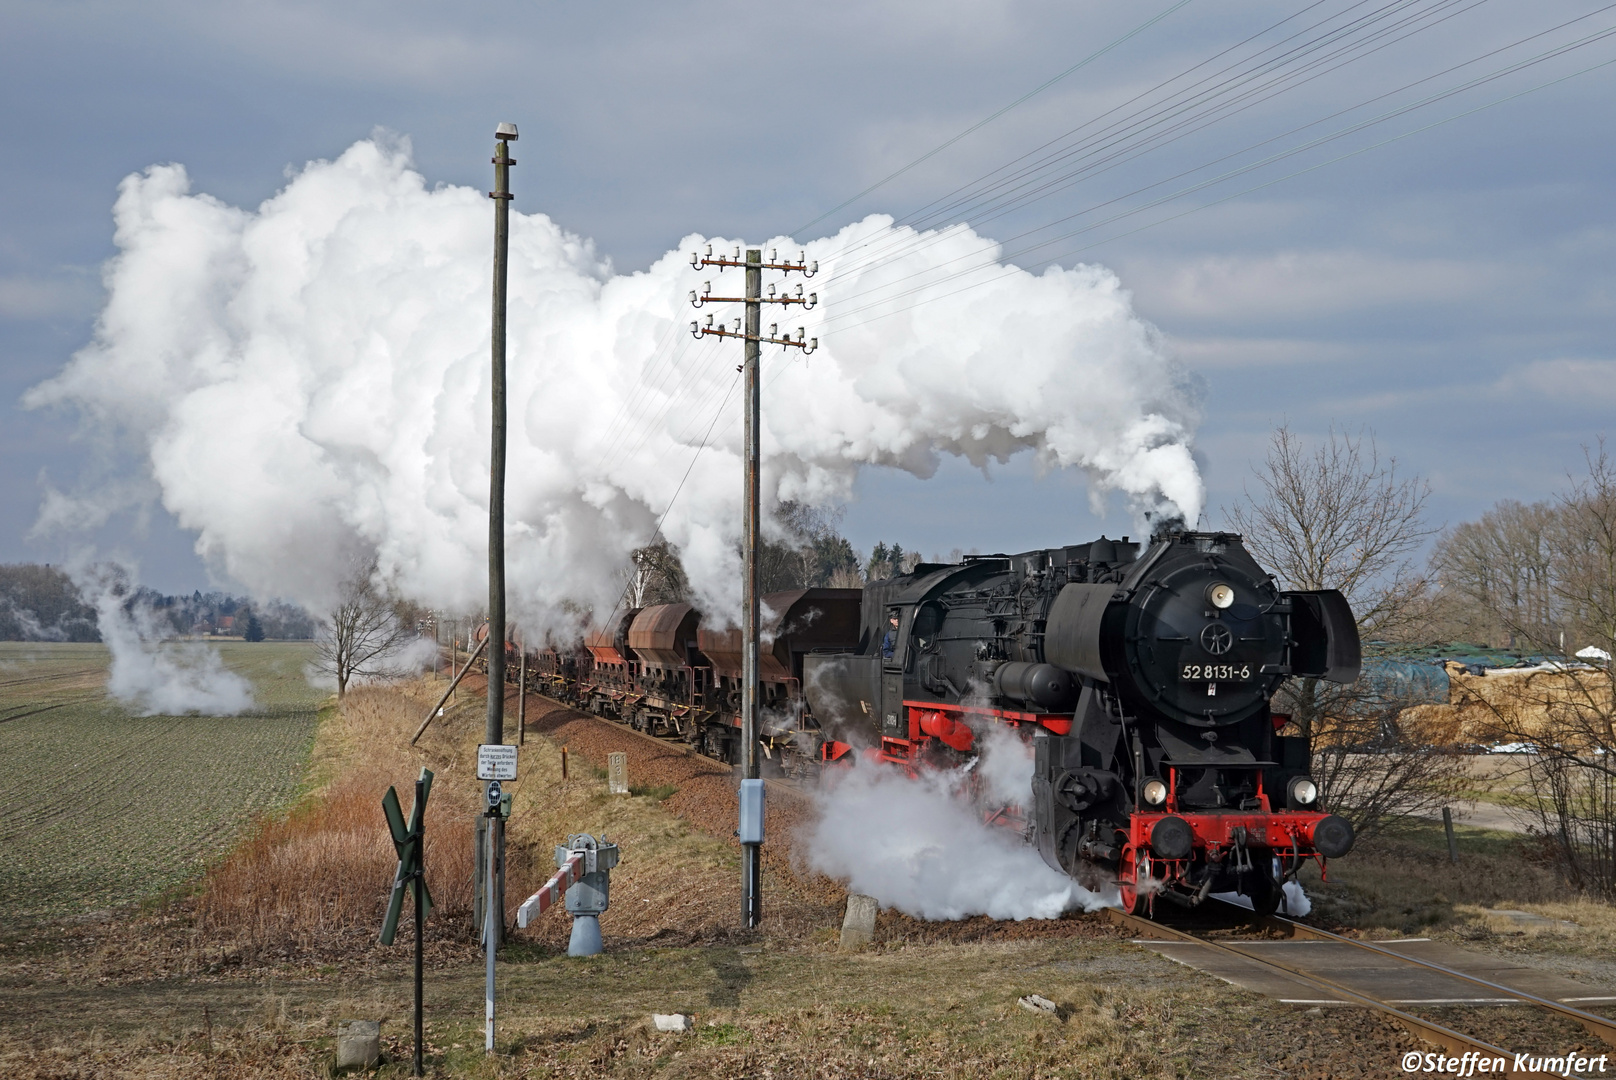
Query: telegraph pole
{"type": "Point", "coordinates": [504, 135]}
{"type": "Point", "coordinates": [751, 854]}
{"type": "Point", "coordinates": [751, 831]}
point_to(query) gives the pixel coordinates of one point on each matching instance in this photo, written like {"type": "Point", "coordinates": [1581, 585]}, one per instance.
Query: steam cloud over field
{"type": "Point", "coordinates": [148, 675]}
{"type": "Point", "coordinates": [307, 383]}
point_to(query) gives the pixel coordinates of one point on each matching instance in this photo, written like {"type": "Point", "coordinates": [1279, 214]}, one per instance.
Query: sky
{"type": "Point", "coordinates": [1452, 290]}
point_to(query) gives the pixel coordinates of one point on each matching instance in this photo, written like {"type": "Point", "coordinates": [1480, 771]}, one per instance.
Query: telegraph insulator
{"type": "Point", "coordinates": [709, 251]}
{"type": "Point", "coordinates": [695, 328]}
{"type": "Point", "coordinates": [771, 290]}
{"type": "Point", "coordinates": [695, 261]}
{"type": "Point", "coordinates": [813, 300]}
{"type": "Point", "coordinates": [812, 345]}
{"type": "Point", "coordinates": [799, 290]}
{"type": "Point", "coordinates": [737, 326]}
{"type": "Point", "coordinates": [737, 253]}
{"type": "Point", "coordinates": [709, 320]}
{"type": "Point", "coordinates": [693, 296]}
{"type": "Point", "coordinates": [707, 288]}
{"type": "Point", "coordinates": [774, 329]}
{"type": "Point", "coordinates": [774, 255]}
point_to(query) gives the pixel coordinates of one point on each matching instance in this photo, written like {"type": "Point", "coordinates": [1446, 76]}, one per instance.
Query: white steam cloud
{"type": "Point", "coordinates": [915, 844]}
{"type": "Point", "coordinates": [153, 677]}
{"type": "Point", "coordinates": [307, 383]}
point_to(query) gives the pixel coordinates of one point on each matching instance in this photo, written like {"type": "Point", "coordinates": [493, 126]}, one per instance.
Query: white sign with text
{"type": "Point", "coordinates": [496, 761]}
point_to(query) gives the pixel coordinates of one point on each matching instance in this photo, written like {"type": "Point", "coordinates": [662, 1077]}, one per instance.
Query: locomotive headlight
{"type": "Point", "coordinates": [1155, 792]}
{"type": "Point", "coordinates": [1303, 791]}
{"type": "Point", "coordinates": [1220, 595]}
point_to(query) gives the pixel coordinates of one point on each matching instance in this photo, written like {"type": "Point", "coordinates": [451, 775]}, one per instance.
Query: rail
{"type": "Point", "coordinates": [784, 784]}
{"type": "Point", "coordinates": [1428, 1030]}
{"type": "Point", "coordinates": [1602, 1026]}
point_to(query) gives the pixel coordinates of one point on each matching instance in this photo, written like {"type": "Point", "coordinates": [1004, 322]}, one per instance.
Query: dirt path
{"type": "Point", "coordinates": [1484, 815]}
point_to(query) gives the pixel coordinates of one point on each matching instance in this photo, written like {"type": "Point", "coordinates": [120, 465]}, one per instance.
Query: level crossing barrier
{"type": "Point", "coordinates": [584, 879]}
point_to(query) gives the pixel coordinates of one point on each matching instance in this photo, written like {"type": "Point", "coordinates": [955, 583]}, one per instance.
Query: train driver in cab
{"type": "Point", "coordinates": [889, 641]}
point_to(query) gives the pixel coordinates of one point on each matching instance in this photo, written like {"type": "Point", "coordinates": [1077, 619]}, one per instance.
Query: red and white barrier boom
{"type": "Point", "coordinates": [570, 873]}
{"type": "Point", "coordinates": [585, 880]}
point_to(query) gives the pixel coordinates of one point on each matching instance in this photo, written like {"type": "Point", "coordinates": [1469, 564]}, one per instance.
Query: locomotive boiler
{"type": "Point", "coordinates": [1144, 681]}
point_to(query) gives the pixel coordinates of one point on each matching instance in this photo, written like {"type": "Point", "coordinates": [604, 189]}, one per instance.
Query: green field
{"type": "Point", "coordinates": [100, 808]}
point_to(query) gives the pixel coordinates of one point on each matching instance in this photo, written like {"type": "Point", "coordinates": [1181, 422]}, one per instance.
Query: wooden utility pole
{"type": "Point", "coordinates": [495, 733]}
{"type": "Point", "coordinates": [504, 135]}
{"type": "Point", "coordinates": [751, 849]}
{"type": "Point", "coordinates": [751, 854]}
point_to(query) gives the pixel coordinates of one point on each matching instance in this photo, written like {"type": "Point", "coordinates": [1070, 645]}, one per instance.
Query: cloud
{"type": "Point", "coordinates": [932, 857]}
{"type": "Point", "coordinates": [1217, 352]}
{"type": "Point", "coordinates": [1579, 381]}
{"type": "Point", "coordinates": [1294, 286]}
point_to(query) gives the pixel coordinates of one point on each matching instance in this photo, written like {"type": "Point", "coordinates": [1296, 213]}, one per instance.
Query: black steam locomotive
{"type": "Point", "coordinates": [1144, 682]}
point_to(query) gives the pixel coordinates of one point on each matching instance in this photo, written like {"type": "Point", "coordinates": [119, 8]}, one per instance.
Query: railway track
{"type": "Point", "coordinates": [797, 789]}
{"type": "Point", "coordinates": [1458, 1042]}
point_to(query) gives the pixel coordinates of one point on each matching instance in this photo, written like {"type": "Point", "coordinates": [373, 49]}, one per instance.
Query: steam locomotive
{"type": "Point", "coordinates": [1143, 681]}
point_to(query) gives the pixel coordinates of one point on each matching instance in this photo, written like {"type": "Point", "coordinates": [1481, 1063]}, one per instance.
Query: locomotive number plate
{"type": "Point", "coordinates": [1215, 673]}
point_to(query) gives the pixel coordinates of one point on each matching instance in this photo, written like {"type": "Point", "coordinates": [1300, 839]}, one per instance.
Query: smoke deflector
{"type": "Point", "coordinates": [1324, 636]}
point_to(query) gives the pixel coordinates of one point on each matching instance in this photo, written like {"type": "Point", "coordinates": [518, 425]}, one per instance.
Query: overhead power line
{"type": "Point", "coordinates": [985, 121]}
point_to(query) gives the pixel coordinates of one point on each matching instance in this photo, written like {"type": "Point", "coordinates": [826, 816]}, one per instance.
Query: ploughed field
{"type": "Point", "coordinates": [101, 808]}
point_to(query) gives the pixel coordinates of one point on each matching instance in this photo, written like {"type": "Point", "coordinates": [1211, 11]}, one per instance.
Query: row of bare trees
{"type": "Point", "coordinates": [1543, 577]}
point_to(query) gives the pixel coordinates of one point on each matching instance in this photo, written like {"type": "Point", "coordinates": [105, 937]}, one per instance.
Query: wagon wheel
{"type": "Point", "coordinates": [1131, 873]}
{"type": "Point", "coordinates": [1263, 892]}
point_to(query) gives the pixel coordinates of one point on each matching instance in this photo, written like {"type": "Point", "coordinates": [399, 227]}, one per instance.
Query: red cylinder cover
{"type": "Point", "coordinates": [949, 731]}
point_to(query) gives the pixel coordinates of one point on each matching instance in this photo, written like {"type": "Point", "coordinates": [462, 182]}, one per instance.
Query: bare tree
{"type": "Point", "coordinates": [1495, 575]}
{"type": "Point", "coordinates": [657, 576]}
{"type": "Point", "coordinates": [1567, 713]}
{"type": "Point", "coordinates": [1337, 516]}
{"type": "Point", "coordinates": [812, 553]}
{"type": "Point", "coordinates": [364, 634]}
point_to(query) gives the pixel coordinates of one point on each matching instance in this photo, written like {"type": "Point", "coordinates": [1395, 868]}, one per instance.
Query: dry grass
{"type": "Point", "coordinates": [1402, 882]}
{"type": "Point", "coordinates": [313, 883]}
{"type": "Point", "coordinates": [323, 872]}
{"type": "Point", "coordinates": [316, 879]}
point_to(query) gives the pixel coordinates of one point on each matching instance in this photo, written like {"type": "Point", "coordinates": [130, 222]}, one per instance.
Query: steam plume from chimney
{"type": "Point", "coordinates": [307, 383]}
